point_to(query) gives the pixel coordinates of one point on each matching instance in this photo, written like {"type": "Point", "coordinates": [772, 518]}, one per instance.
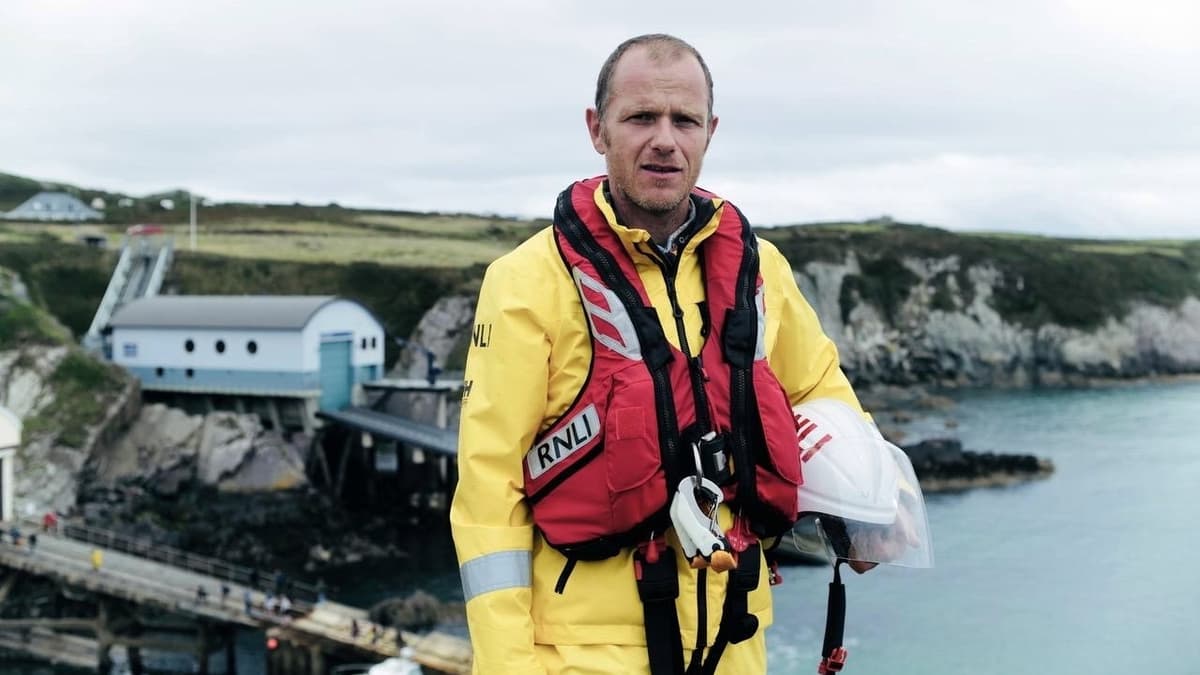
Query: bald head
{"type": "Point", "coordinates": [659, 47]}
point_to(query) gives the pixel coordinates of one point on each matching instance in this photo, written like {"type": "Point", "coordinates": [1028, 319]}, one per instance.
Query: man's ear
{"type": "Point", "coordinates": [595, 131]}
{"type": "Point", "coordinates": [712, 129]}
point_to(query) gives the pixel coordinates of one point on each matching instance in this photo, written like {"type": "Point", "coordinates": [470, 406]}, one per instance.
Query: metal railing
{"type": "Point", "coordinates": [299, 592]}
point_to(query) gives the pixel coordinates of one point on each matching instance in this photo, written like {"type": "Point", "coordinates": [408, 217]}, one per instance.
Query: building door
{"type": "Point", "coordinates": [336, 375]}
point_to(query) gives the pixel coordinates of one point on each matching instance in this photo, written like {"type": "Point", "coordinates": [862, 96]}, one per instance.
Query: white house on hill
{"type": "Point", "coordinates": [299, 347]}
{"type": "Point", "coordinates": [54, 206]}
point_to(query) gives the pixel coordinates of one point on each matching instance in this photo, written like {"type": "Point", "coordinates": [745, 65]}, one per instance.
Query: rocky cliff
{"type": "Point", "coordinates": [913, 305]}
{"type": "Point", "coordinates": [951, 333]}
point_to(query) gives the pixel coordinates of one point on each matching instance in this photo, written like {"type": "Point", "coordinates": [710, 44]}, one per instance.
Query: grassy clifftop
{"type": "Point", "coordinates": [1072, 282]}
{"type": "Point", "coordinates": [399, 263]}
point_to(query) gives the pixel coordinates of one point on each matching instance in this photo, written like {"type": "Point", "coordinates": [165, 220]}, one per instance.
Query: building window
{"type": "Point", "coordinates": [364, 343]}
{"type": "Point", "coordinates": [189, 372]}
{"type": "Point", "coordinates": [252, 347]}
{"type": "Point", "coordinates": [189, 346]}
{"type": "Point", "coordinates": [129, 349]}
{"type": "Point", "coordinates": [372, 343]}
{"type": "Point", "coordinates": [220, 346]}
{"type": "Point", "coordinates": [158, 372]}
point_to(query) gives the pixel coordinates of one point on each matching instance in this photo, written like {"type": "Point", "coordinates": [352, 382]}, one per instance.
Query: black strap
{"type": "Point", "coordinates": [658, 587]}
{"type": "Point", "coordinates": [737, 623]}
{"type": "Point", "coordinates": [739, 343]}
{"type": "Point", "coordinates": [566, 574]}
{"type": "Point", "coordinates": [835, 613]}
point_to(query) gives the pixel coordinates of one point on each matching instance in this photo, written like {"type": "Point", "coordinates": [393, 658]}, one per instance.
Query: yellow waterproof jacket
{"type": "Point", "coordinates": [529, 357]}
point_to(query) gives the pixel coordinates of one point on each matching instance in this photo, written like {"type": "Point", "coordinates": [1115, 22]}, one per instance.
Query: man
{"type": "Point", "coordinates": [642, 350]}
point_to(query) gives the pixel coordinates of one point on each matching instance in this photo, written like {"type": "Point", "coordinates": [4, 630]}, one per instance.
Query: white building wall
{"type": "Point", "coordinates": [345, 316]}
{"type": "Point", "coordinates": [10, 440]}
{"type": "Point", "coordinates": [278, 350]}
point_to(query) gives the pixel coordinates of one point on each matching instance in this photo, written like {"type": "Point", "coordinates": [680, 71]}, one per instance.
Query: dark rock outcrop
{"type": "Point", "coordinates": [419, 611]}
{"type": "Point", "coordinates": [942, 465]}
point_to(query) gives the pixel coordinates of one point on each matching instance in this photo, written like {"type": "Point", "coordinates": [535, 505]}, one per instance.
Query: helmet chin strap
{"type": "Point", "coordinates": [833, 654]}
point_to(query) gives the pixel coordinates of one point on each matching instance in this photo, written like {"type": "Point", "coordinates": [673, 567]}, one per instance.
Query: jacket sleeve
{"type": "Point", "coordinates": [803, 358]}
{"type": "Point", "coordinates": [503, 403]}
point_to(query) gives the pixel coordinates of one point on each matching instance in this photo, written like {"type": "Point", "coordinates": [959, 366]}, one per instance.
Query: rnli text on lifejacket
{"type": "Point", "coordinates": [580, 431]}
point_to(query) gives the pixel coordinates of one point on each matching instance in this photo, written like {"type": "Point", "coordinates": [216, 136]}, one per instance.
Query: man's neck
{"type": "Point", "coordinates": [659, 225]}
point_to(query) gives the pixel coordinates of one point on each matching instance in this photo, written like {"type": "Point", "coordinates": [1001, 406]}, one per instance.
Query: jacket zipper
{"type": "Point", "coordinates": [695, 363]}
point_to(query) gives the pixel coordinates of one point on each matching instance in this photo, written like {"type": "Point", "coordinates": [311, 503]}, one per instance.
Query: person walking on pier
{"type": "Point", "coordinates": [97, 559]}
{"type": "Point", "coordinates": [201, 595]}
{"type": "Point", "coordinates": [248, 601]}
{"type": "Point", "coordinates": [15, 533]}
{"type": "Point", "coordinates": [33, 537]}
{"type": "Point", "coordinates": [224, 593]}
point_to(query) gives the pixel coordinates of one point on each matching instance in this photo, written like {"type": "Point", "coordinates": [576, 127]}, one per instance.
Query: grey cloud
{"type": "Point", "coordinates": [1066, 117]}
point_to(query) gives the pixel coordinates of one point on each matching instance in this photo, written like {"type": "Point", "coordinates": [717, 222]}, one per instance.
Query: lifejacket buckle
{"type": "Point", "coordinates": [712, 459]}
{"type": "Point", "coordinates": [834, 662]}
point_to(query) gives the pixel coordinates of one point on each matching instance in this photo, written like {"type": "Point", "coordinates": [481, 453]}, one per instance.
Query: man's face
{"type": "Point", "coordinates": [655, 130]}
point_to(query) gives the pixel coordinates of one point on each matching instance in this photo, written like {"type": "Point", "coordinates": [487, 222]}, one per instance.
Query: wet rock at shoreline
{"type": "Point", "coordinates": [942, 465]}
{"type": "Point", "coordinates": [419, 611]}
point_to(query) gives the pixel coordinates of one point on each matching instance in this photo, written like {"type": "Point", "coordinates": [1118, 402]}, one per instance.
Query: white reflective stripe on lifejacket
{"type": "Point", "coordinates": [760, 343]}
{"type": "Point", "coordinates": [495, 572]}
{"type": "Point", "coordinates": [610, 322]}
{"type": "Point", "coordinates": [575, 434]}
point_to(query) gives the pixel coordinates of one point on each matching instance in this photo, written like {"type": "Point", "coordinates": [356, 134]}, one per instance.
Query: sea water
{"type": "Point", "coordinates": [1094, 570]}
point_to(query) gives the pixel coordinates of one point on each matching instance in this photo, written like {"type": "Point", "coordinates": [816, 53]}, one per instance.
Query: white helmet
{"type": "Point", "coordinates": [861, 488]}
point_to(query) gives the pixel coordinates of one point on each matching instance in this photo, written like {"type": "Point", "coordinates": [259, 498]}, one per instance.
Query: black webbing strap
{"type": "Point", "coordinates": [739, 344]}
{"type": "Point", "coordinates": [658, 586]}
{"type": "Point", "coordinates": [737, 623]}
{"type": "Point", "coordinates": [833, 654]}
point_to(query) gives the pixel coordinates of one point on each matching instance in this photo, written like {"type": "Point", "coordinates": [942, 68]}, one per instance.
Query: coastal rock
{"type": "Point", "coordinates": [226, 441]}
{"type": "Point", "coordinates": [272, 465]}
{"type": "Point", "coordinates": [165, 448]}
{"type": "Point", "coordinates": [419, 611]}
{"type": "Point", "coordinates": [64, 419]}
{"type": "Point", "coordinates": [161, 437]}
{"type": "Point", "coordinates": [444, 330]}
{"type": "Point", "coordinates": [944, 333]}
{"type": "Point", "coordinates": [942, 465]}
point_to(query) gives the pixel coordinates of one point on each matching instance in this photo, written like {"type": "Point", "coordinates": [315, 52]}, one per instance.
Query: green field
{"type": "Point", "coordinates": [400, 262]}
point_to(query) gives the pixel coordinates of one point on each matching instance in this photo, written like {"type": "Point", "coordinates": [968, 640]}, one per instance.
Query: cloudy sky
{"type": "Point", "coordinates": [1076, 117]}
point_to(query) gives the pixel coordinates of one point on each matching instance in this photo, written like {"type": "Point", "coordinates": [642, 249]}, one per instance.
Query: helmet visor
{"type": "Point", "coordinates": [894, 532]}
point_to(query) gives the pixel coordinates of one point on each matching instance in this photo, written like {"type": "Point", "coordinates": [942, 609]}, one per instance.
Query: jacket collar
{"type": "Point", "coordinates": [707, 210]}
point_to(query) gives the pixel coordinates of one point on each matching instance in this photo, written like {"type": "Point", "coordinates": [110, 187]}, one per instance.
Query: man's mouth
{"type": "Point", "coordinates": [661, 168]}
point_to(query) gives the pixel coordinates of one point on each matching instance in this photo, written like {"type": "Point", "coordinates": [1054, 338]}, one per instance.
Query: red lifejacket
{"type": "Point", "coordinates": [602, 476]}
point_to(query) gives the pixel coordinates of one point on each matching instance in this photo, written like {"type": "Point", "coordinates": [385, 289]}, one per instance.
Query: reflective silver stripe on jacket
{"type": "Point", "coordinates": [495, 572]}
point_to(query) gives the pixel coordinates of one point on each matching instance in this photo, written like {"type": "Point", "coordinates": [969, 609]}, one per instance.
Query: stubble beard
{"type": "Point", "coordinates": [658, 208]}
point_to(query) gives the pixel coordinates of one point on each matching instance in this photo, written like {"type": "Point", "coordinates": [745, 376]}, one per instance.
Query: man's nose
{"type": "Point", "coordinates": [664, 140]}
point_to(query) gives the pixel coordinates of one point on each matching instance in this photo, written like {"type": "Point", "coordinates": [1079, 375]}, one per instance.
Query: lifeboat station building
{"type": "Point", "coordinates": [10, 441]}
{"type": "Point", "coordinates": [283, 357]}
